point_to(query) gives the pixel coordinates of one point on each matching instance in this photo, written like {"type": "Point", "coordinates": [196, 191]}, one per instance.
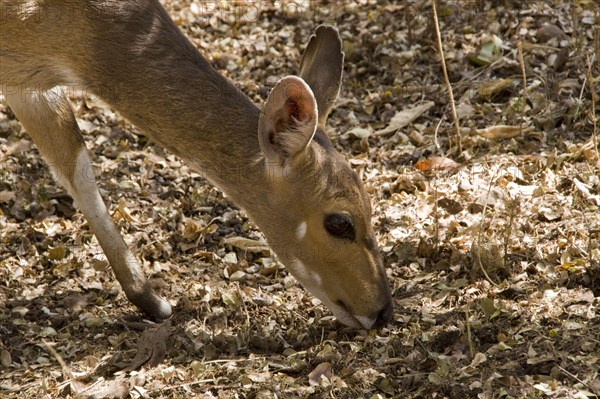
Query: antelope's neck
{"type": "Point", "coordinates": [159, 81]}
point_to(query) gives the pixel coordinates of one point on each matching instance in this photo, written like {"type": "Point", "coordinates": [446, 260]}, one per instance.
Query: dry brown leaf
{"type": "Point", "coordinates": [247, 244]}
{"type": "Point", "coordinates": [433, 163]}
{"type": "Point", "coordinates": [323, 370]}
{"type": "Point", "coordinates": [548, 214]}
{"type": "Point", "coordinates": [152, 346]}
{"type": "Point", "coordinates": [6, 196]}
{"type": "Point", "coordinates": [404, 118]}
{"type": "Point", "coordinates": [19, 147]}
{"type": "Point", "coordinates": [548, 32]}
{"type": "Point", "coordinates": [57, 253]}
{"type": "Point", "coordinates": [122, 212]}
{"type": "Point", "coordinates": [424, 210]}
{"type": "Point", "coordinates": [5, 358]}
{"type": "Point", "coordinates": [489, 89]}
{"type": "Point", "coordinates": [192, 230]}
{"type": "Point", "coordinates": [118, 388]}
{"type": "Point", "coordinates": [451, 206]}
{"type": "Point", "coordinates": [503, 131]}
{"type": "Point", "coordinates": [584, 190]}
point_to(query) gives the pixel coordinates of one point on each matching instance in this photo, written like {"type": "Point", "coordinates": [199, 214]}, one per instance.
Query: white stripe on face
{"type": "Point", "coordinates": [304, 275]}
{"type": "Point", "coordinates": [366, 322]}
{"type": "Point", "coordinates": [301, 231]}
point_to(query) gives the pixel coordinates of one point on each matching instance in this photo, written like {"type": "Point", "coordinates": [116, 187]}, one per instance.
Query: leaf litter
{"type": "Point", "coordinates": [493, 254]}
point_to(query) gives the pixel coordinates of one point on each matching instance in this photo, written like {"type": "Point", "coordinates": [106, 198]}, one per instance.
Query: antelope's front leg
{"type": "Point", "coordinates": [49, 120]}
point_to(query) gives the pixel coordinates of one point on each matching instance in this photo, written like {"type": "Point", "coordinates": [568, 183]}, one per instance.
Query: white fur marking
{"type": "Point", "coordinates": [306, 277]}
{"type": "Point", "coordinates": [313, 283]}
{"type": "Point", "coordinates": [366, 322]}
{"type": "Point", "coordinates": [89, 201]}
{"type": "Point", "coordinates": [301, 230]}
{"type": "Point", "coordinates": [164, 308]}
{"type": "Point", "coordinates": [52, 95]}
{"type": "Point", "coordinates": [316, 278]}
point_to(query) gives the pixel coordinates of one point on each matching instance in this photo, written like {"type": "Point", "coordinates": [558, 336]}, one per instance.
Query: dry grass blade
{"type": "Point", "coordinates": [594, 95]}
{"type": "Point", "coordinates": [70, 380]}
{"type": "Point", "coordinates": [458, 140]}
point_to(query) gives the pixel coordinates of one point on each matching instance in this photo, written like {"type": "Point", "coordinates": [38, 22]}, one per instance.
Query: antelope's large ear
{"type": "Point", "coordinates": [288, 120]}
{"type": "Point", "coordinates": [321, 67]}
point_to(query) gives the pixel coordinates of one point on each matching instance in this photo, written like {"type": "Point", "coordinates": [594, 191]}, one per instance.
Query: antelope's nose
{"type": "Point", "coordinates": [384, 316]}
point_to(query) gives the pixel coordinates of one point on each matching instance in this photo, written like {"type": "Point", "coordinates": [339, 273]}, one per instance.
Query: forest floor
{"type": "Point", "coordinates": [492, 247]}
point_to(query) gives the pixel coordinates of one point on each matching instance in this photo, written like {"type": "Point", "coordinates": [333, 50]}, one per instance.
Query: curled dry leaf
{"type": "Point", "coordinates": [6, 196]}
{"type": "Point", "coordinates": [489, 89]}
{"type": "Point", "coordinates": [118, 388]}
{"type": "Point", "coordinates": [152, 346]}
{"type": "Point", "coordinates": [584, 190]}
{"type": "Point", "coordinates": [478, 359]}
{"type": "Point", "coordinates": [323, 370]}
{"type": "Point", "coordinates": [357, 132]}
{"type": "Point", "coordinates": [247, 244]}
{"type": "Point", "coordinates": [451, 206]}
{"type": "Point", "coordinates": [5, 358]}
{"type": "Point", "coordinates": [503, 131]}
{"type": "Point", "coordinates": [548, 214]}
{"type": "Point", "coordinates": [404, 118]}
{"type": "Point", "coordinates": [489, 52]}
{"type": "Point", "coordinates": [123, 212]}
{"type": "Point", "coordinates": [548, 32]}
{"type": "Point", "coordinates": [436, 163]}
{"type": "Point", "coordinates": [192, 230]}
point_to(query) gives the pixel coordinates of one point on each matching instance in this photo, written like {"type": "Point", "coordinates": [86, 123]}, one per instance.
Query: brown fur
{"type": "Point", "coordinates": [130, 54]}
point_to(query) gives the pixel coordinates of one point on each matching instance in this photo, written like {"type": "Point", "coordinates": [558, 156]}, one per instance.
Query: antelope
{"type": "Point", "coordinates": [277, 164]}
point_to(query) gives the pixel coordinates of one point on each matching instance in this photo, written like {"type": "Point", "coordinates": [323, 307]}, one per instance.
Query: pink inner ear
{"type": "Point", "coordinates": [293, 109]}
{"type": "Point", "coordinates": [299, 102]}
{"type": "Point", "coordinates": [298, 108]}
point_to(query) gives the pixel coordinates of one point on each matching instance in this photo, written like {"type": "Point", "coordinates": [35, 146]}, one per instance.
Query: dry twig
{"type": "Point", "coordinates": [593, 116]}
{"type": "Point", "coordinates": [524, 76]}
{"type": "Point", "coordinates": [446, 79]}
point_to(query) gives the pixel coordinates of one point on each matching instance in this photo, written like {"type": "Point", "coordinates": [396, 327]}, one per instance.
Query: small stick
{"type": "Point", "coordinates": [513, 208]}
{"type": "Point", "coordinates": [469, 338]}
{"type": "Point", "coordinates": [585, 384]}
{"type": "Point", "coordinates": [435, 136]}
{"type": "Point", "coordinates": [524, 75]}
{"type": "Point", "coordinates": [522, 65]}
{"type": "Point", "coordinates": [446, 79]}
{"type": "Point", "coordinates": [590, 80]}
{"type": "Point", "coordinates": [477, 252]}
{"type": "Point", "coordinates": [436, 220]}
{"type": "Point", "coordinates": [66, 370]}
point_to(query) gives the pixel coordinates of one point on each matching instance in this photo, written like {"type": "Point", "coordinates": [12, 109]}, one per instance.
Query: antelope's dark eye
{"type": "Point", "coordinates": [340, 225]}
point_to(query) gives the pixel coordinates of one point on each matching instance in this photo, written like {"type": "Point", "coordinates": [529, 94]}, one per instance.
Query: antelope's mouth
{"type": "Point", "coordinates": [344, 316]}
{"type": "Point", "coordinates": [312, 282]}
{"type": "Point", "coordinates": [378, 319]}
